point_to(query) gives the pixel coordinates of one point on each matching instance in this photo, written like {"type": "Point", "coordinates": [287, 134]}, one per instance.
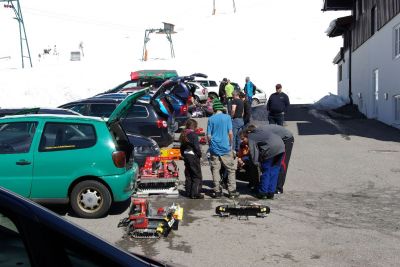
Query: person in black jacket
{"type": "Point", "coordinates": [221, 90]}
{"type": "Point", "coordinates": [277, 106]}
{"type": "Point", "coordinates": [247, 108]}
{"type": "Point", "coordinates": [191, 152]}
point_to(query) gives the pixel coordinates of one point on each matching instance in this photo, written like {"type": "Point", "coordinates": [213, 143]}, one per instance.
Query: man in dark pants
{"type": "Point", "coordinates": [191, 153]}
{"type": "Point", "coordinates": [288, 140]}
{"type": "Point", "coordinates": [277, 105]}
{"type": "Point", "coordinates": [221, 90]}
{"type": "Point", "coordinates": [266, 151]}
{"type": "Point", "coordinates": [247, 108]}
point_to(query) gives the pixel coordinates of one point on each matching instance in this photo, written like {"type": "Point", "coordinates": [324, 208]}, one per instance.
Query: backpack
{"type": "Point", "coordinates": [254, 89]}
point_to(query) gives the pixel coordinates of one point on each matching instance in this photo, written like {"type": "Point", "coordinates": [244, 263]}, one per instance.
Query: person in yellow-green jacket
{"type": "Point", "coordinates": [229, 95]}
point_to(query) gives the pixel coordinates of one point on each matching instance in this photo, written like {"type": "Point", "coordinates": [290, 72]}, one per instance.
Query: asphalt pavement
{"type": "Point", "coordinates": [340, 207]}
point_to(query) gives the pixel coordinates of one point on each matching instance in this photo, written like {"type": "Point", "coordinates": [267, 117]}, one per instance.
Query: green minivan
{"type": "Point", "coordinates": [84, 161]}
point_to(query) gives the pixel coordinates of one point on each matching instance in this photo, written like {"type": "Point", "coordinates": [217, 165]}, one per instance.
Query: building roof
{"type": "Point", "coordinates": [337, 5]}
{"type": "Point", "coordinates": [339, 26]}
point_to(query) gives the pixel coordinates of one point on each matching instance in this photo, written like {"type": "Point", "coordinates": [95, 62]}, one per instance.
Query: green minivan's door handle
{"type": "Point", "coordinates": [23, 162]}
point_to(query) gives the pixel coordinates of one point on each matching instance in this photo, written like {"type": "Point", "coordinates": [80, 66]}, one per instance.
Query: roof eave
{"type": "Point", "coordinates": [337, 5]}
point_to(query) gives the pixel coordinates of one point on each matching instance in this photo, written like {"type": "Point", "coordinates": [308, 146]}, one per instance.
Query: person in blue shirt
{"type": "Point", "coordinates": [220, 140]}
{"type": "Point", "coordinates": [249, 90]}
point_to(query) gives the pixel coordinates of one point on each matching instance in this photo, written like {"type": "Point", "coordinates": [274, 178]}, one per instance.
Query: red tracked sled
{"type": "Point", "coordinates": [158, 176]}
{"type": "Point", "coordinates": [146, 222]}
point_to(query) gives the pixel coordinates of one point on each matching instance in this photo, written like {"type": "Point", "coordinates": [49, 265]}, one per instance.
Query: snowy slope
{"type": "Point", "coordinates": [269, 40]}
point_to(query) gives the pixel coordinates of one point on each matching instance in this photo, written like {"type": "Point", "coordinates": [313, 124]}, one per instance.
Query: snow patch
{"type": "Point", "coordinates": [328, 102]}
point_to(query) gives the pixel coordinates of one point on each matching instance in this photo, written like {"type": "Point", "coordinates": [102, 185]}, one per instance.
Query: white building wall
{"type": "Point", "coordinates": [343, 85]}
{"type": "Point", "coordinates": [377, 53]}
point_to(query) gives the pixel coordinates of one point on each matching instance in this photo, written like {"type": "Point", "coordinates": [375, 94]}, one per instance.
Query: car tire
{"type": "Point", "coordinates": [90, 199]}
{"type": "Point", "coordinates": [255, 102]}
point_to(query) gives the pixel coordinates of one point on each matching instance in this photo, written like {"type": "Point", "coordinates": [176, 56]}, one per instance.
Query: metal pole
{"type": "Point", "coordinates": [25, 38]}
{"type": "Point", "coordinates": [144, 44]}
{"type": "Point", "coordinates": [213, 7]}
{"type": "Point", "coordinates": [20, 40]}
{"type": "Point", "coordinates": [169, 37]}
{"type": "Point", "coordinates": [22, 32]}
{"type": "Point", "coordinates": [234, 7]}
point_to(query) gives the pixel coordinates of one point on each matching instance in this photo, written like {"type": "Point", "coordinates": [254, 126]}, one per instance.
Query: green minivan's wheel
{"type": "Point", "coordinates": [90, 199]}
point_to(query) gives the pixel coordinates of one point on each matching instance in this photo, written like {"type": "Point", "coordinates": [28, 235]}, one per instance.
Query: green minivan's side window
{"type": "Point", "coordinates": [16, 137]}
{"type": "Point", "coordinates": [66, 136]}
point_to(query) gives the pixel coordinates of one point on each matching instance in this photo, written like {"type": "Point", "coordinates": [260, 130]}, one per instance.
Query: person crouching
{"type": "Point", "coordinates": [266, 150]}
{"type": "Point", "coordinates": [191, 152]}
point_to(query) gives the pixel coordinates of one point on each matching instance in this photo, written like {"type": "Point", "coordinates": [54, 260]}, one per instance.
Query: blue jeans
{"type": "Point", "coordinates": [270, 172]}
{"type": "Point", "coordinates": [250, 99]}
{"type": "Point", "coordinates": [237, 125]}
{"type": "Point", "coordinates": [276, 118]}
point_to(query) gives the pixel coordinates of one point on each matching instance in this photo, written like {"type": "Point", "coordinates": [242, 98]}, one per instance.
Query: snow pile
{"type": "Point", "coordinates": [230, 44]}
{"type": "Point", "coordinates": [328, 102]}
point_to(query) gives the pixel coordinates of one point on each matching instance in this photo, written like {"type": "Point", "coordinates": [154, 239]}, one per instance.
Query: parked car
{"type": "Point", "coordinates": [80, 160]}
{"type": "Point", "coordinates": [259, 97]}
{"type": "Point", "coordinates": [200, 92]}
{"type": "Point", "coordinates": [173, 95]}
{"type": "Point", "coordinates": [142, 117]}
{"type": "Point", "coordinates": [113, 95]}
{"type": "Point", "coordinates": [143, 79]}
{"type": "Point", "coordinates": [143, 147]}
{"type": "Point", "coordinates": [21, 111]}
{"type": "Point", "coordinates": [31, 235]}
{"type": "Point", "coordinates": [211, 85]}
{"type": "Point", "coordinates": [236, 86]}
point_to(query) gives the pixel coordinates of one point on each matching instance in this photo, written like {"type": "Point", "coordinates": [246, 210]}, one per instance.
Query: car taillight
{"type": "Point", "coordinates": [162, 124]}
{"type": "Point", "coordinates": [119, 159]}
{"type": "Point", "coordinates": [183, 109]}
{"type": "Point", "coordinates": [203, 91]}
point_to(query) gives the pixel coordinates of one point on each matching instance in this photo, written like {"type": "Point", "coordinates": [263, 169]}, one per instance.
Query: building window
{"type": "Point", "coordinates": [397, 107]}
{"type": "Point", "coordinates": [374, 18]}
{"type": "Point", "coordinates": [397, 41]}
{"type": "Point", "coordinates": [340, 72]}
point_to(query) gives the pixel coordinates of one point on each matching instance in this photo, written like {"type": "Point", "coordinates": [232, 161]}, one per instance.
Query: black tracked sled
{"type": "Point", "coordinates": [245, 210]}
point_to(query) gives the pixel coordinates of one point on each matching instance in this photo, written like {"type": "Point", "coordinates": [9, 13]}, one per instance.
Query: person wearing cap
{"type": "Point", "coordinates": [221, 91]}
{"type": "Point", "coordinates": [277, 106]}
{"type": "Point", "coordinates": [220, 141]}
